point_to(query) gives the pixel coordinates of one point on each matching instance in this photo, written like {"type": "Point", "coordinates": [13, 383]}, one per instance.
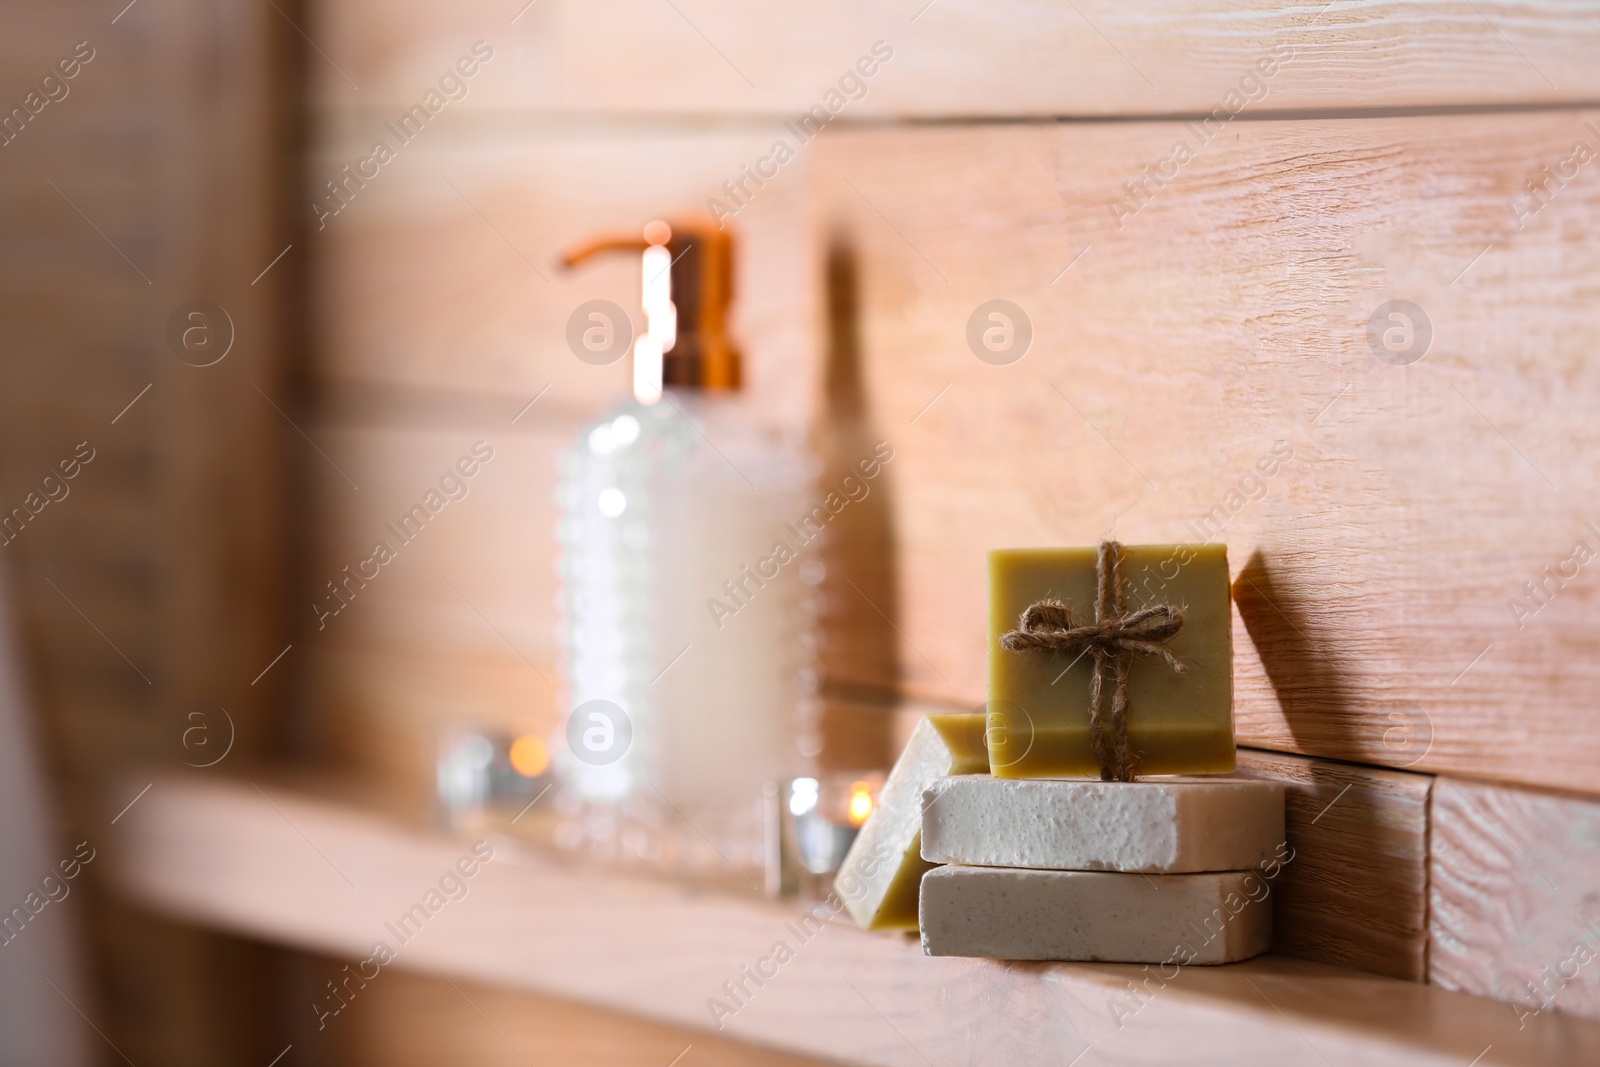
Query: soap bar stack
{"type": "Point", "coordinates": [1173, 870]}
{"type": "Point", "coordinates": [1034, 861]}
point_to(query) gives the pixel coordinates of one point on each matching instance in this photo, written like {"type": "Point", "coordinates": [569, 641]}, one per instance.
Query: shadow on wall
{"type": "Point", "coordinates": [861, 595]}
{"type": "Point", "coordinates": [1308, 679]}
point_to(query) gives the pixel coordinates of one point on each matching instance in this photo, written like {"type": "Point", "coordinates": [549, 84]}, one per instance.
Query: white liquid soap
{"type": "Point", "coordinates": [688, 596]}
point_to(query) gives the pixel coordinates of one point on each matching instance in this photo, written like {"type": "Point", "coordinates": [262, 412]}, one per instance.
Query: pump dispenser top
{"type": "Point", "coordinates": [687, 285]}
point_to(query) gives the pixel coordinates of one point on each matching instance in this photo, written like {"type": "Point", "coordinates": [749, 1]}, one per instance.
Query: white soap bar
{"type": "Point", "coordinates": [879, 879]}
{"type": "Point", "coordinates": [1102, 916]}
{"type": "Point", "coordinates": [1166, 826]}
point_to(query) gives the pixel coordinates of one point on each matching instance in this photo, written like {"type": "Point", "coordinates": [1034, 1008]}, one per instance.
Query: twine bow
{"type": "Point", "coordinates": [1113, 639]}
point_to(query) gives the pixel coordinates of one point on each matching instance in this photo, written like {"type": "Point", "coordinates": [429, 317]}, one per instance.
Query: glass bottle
{"type": "Point", "coordinates": [688, 605]}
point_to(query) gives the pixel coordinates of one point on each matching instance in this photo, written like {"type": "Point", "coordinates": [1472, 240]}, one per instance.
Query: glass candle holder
{"type": "Point", "coordinates": [485, 777]}
{"type": "Point", "coordinates": [811, 824]}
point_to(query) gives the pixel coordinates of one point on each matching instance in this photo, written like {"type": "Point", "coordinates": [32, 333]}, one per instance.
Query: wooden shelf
{"type": "Point", "coordinates": [327, 877]}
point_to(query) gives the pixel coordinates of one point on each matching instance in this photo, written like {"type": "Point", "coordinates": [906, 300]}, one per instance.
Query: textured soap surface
{"type": "Point", "coordinates": [1039, 701]}
{"type": "Point", "coordinates": [1167, 826]}
{"type": "Point", "coordinates": [879, 878]}
{"type": "Point", "coordinates": [1101, 916]}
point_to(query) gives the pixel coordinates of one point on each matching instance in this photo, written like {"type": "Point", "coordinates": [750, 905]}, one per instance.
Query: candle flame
{"type": "Point", "coordinates": [860, 802]}
{"type": "Point", "coordinates": [530, 757]}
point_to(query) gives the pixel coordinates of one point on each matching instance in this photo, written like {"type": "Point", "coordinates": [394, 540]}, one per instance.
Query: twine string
{"type": "Point", "coordinates": [1111, 640]}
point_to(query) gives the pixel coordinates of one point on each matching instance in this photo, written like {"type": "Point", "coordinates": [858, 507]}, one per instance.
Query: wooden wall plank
{"type": "Point", "coordinates": [490, 553]}
{"type": "Point", "coordinates": [1226, 319]}
{"type": "Point", "coordinates": [955, 58]}
{"type": "Point", "coordinates": [459, 629]}
{"type": "Point", "coordinates": [1515, 897]}
{"type": "Point", "coordinates": [441, 277]}
{"type": "Point", "coordinates": [1356, 891]}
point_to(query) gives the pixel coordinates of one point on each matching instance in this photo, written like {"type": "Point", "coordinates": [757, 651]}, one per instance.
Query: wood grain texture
{"type": "Point", "coordinates": [459, 629]}
{"type": "Point", "coordinates": [954, 59]}
{"type": "Point", "coordinates": [1514, 889]}
{"type": "Point", "coordinates": [440, 280]}
{"type": "Point", "coordinates": [416, 1020]}
{"type": "Point", "coordinates": [1227, 318]}
{"type": "Point", "coordinates": [222, 854]}
{"type": "Point", "coordinates": [153, 580]}
{"type": "Point", "coordinates": [1413, 493]}
{"type": "Point", "coordinates": [1356, 891]}
{"type": "Point", "coordinates": [165, 540]}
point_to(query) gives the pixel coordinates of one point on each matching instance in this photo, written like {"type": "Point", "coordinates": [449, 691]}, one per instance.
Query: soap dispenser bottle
{"type": "Point", "coordinates": [688, 597]}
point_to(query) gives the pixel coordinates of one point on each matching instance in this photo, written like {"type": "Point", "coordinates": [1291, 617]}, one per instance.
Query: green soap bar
{"type": "Point", "coordinates": [963, 734]}
{"type": "Point", "coordinates": [882, 873]}
{"type": "Point", "coordinates": [1038, 712]}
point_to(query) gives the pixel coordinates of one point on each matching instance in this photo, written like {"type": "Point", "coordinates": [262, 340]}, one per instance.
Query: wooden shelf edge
{"type": "Point", "coordinates": [283, 867]}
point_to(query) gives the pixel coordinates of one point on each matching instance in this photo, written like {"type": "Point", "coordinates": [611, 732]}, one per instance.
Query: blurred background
{"type": "Point", "coordinates": [241, 342]}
